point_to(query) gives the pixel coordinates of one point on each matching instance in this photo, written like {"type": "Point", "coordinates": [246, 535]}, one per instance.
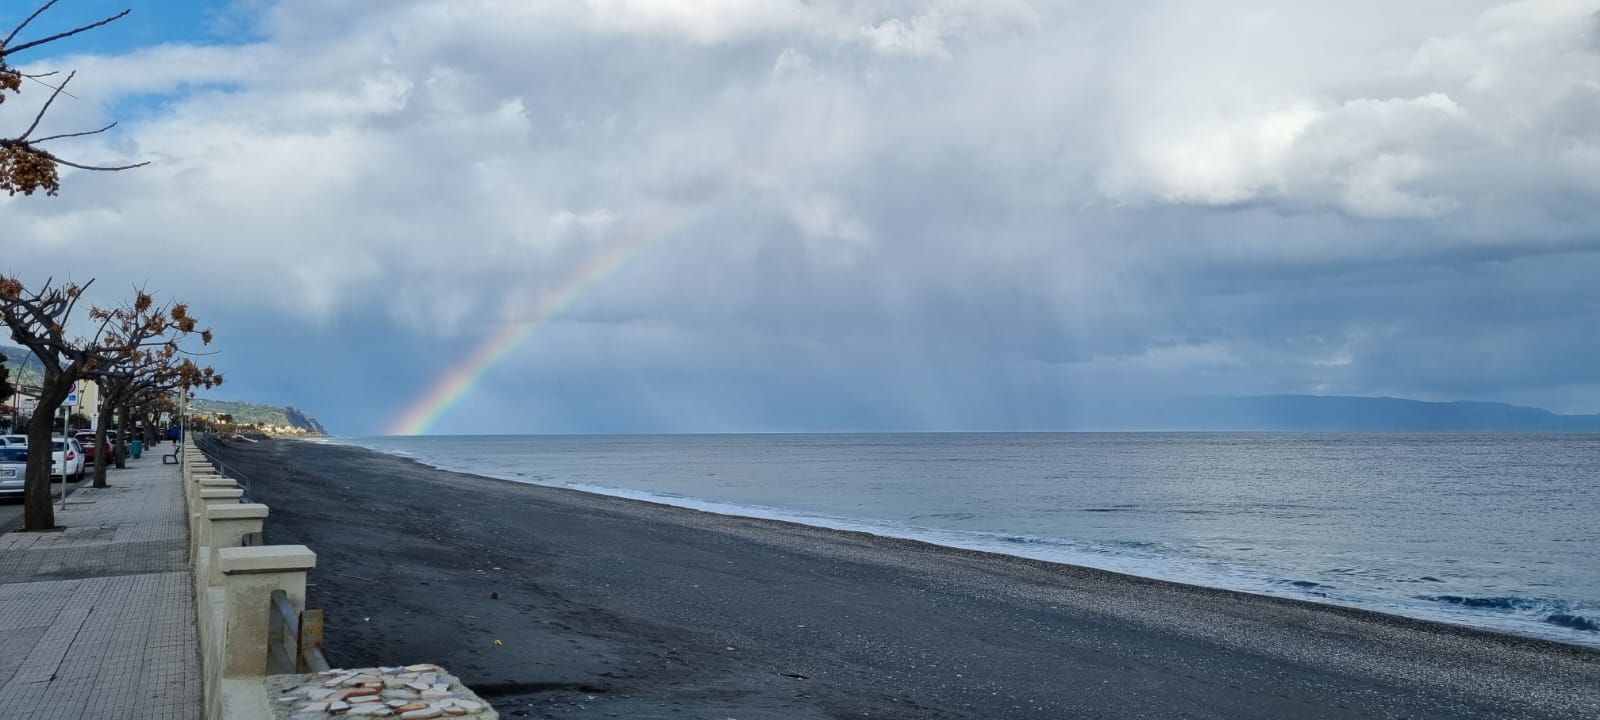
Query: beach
{"type": "Point", "coordinates": [555, 603]}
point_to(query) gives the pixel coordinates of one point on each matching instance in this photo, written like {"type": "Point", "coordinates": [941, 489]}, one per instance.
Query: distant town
{"type": "Point", "coordinates": [228, 417]}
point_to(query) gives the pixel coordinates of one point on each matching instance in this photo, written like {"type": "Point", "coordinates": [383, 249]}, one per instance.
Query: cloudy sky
{"type": "Point", "coordinates": [757, 215]}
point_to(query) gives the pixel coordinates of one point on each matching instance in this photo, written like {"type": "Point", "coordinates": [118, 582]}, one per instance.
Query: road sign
{"type": "Point", "coordinates": [72, 399]}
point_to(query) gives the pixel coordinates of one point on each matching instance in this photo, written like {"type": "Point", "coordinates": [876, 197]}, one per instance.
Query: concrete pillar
{"type": "Point", "coordinates": [200, 526]}
{"type": "Point", "coordinates": [229, 525]}
{"type": "Point", "coordinates": [209, 496]}
{"type": "Point", "coordinates": [220, 495]}
{"type": "Point", "coordinates": [207, 483]}
{"type": "Point", "coordinates": [250, 575]}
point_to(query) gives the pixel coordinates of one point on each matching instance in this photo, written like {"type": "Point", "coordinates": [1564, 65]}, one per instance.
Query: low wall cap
{"type": "Point", "coordinates": [265, 559]}
{"type": "Point", "coordinates": [241, 511]}
{"type": "Point", "coordinates": [220, 493]}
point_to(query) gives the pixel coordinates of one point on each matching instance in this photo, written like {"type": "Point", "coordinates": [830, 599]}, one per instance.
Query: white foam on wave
{"type": "Point", "coordinates": [396, 452]}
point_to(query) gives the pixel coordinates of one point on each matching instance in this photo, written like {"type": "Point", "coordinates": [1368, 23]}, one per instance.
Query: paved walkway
{"type": "Point", "coordinates": [97, 620]}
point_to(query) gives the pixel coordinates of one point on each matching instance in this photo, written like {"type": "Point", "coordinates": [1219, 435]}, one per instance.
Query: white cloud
{"type": "Point", "coordinates": [1053, 180]}
{"type": "Point", "coordinates": [1319, 110]}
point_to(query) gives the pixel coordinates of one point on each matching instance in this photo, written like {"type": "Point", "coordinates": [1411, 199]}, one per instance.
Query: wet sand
{"type": "Point", "coordinates": [605, 607]}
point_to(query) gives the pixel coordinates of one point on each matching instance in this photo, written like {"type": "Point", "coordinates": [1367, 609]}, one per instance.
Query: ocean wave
{"type": "Point", "coordinates": [946, 516]}
{"type": "Point", "coordinates": [1024, 540]}
{"type": "Point", "coordinates": [1576, 622]}
{"type": "Point", "coordinates": [1554, 612]}
{"type": "Point", "coordinates": [1509, 602]}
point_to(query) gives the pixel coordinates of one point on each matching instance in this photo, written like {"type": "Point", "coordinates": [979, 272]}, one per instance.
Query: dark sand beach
{"type": "Point", "coordinates": [604, 607]}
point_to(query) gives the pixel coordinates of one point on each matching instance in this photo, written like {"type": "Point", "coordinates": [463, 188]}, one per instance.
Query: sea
{"type": "Point", "coordinates": [1494, 531]}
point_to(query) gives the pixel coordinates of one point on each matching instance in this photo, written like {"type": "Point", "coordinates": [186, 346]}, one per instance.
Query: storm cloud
{"type": "Point", "coordinates": [953, 214]}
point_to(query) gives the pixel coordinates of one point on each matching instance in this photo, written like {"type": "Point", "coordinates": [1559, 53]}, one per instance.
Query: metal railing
{"type": "Point", "coordinates": [294, 639]}
{"type": "Point", "coordinates": [208, 447]}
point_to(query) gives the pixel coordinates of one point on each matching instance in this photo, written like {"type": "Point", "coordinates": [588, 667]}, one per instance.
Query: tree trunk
{"type": "Point", "coordinates": [37, 512]}
{"type": "Point", "coordinates": [100, 459]}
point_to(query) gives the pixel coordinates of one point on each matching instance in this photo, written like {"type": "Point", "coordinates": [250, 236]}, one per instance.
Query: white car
{"type": "Point", "coordinates": [14, 440]}
{"type": "Point", "coordinates": [13, 471]}
{"type": "Point", "coordinates": [74, 459]}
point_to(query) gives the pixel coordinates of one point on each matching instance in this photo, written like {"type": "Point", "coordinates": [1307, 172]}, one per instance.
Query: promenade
{"type": "Point", "coordinates": [97, 620]}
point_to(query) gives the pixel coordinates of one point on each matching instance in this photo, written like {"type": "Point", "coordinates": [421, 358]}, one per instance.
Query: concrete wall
{"type": "Point", "coordinates": [233, 587]}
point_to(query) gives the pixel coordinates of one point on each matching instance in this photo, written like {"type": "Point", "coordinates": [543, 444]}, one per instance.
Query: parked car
{"type": "Point", "coordinates": [86, 439]}
{"type": "Point", "coordinates": [73, 465]}
{"type": "Point", "coordinates": [17, 440]}
{"type": "Point", "coordinates": [13, 470]}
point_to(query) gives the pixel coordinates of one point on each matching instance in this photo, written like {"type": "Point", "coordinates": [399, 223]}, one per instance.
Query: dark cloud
{"type": "Point", "coordinates": [830, 215]}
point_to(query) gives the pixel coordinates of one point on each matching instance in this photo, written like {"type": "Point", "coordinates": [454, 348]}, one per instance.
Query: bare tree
{"type": "Point", "coordinates": [38, 321]}
{"type": "Point", "coordinates": [151, 364]}
{"type": "Point", "coordinates": [25, 166]}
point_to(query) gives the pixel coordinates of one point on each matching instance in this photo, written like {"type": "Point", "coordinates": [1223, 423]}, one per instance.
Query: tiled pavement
{"type": "Point", "coordinates": [97, 620]}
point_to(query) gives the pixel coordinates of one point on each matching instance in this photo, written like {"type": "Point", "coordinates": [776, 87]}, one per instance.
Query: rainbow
{"type": "Point", "coordinates": [460, 379]}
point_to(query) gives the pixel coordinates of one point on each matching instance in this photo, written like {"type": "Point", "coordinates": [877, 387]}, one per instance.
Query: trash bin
{"type": "Point", "coordinates": [136, 447]}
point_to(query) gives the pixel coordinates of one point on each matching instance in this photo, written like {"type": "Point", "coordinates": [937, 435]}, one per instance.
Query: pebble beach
{"type": "Point", "coordinates": [553, 603]}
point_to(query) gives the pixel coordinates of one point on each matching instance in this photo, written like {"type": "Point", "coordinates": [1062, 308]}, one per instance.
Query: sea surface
{"type": "Point", "coordinates": [1498, 531]}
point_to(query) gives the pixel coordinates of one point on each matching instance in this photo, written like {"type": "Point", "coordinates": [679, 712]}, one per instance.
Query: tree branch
{"type": "Point", "coordinates": [7, 52]}
{"type": "Point", "coordinates": [52, 157]}
{"type": "Point", "coordinates": [72, 299]}
{"type": "Point", "coordinates": [96, 168]}
{"type": "Point", "coordinates": [47, 103]}
{"type": "Point", "coordinates": [72, 135]}
{"type": "Point", "coordinates": [24, 24]}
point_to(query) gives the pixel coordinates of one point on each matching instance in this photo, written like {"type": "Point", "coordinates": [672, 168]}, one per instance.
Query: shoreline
{"type": "Point", "coordinates": [1529, 629]}
{"type": "Point", "coordinates": [1067, 618]}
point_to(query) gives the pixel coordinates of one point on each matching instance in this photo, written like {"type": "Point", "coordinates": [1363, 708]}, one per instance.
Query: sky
{"type": "Point", "coordinates": [831, 215]}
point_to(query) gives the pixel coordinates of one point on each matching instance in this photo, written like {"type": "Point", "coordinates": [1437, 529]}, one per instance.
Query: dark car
{"type": "Point", "coordinates": [86, 439]}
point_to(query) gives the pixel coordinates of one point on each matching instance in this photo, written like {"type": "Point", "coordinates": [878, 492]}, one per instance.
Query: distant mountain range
{"type": "Point", "coordinates": [1194, 413]}
{"type": "Point", "coordinates": [23, 365]}
{"type": "Point", "coordinates": [1342, 413]}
